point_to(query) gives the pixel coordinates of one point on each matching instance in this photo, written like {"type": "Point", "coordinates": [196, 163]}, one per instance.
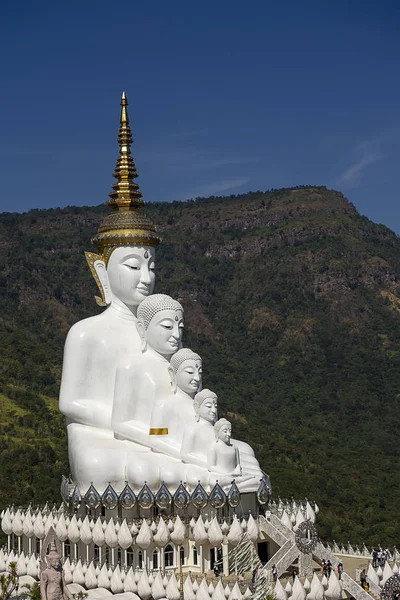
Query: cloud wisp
{"type": "Point", "coordinates": [367, 153]}
{"type": "Point", "coordinates": [218, 187]}
{"type": "Point", "coordinates": [353, 173]}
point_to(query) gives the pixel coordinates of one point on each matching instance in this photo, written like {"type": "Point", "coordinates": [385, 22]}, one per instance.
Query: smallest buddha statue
{"type": "Point", "coordinates": [223, 457]}
{"type": "Point", "coordinates": [52, 582]}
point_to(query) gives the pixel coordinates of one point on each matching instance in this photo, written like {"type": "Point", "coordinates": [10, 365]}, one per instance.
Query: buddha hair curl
{"type": "Point", "coordinates": [201, 397]}
{"type": "Point", "coordinates": [154, 304]}
{"type": "Point", "coordinates": [181, 356]}
{"type": "Point", "coordinates": [219, 424]}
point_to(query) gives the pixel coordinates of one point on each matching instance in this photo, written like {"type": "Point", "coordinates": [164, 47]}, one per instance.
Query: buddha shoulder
{"type": "Point", "coordinates": [107, 324]}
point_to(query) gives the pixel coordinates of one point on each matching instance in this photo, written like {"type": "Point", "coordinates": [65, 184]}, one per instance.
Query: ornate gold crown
{"type": "Point", "coordinates": [126, 225]}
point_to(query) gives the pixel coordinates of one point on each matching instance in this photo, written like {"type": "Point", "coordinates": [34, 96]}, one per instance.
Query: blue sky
{"type": "Point", "coordinates": [224, 97]}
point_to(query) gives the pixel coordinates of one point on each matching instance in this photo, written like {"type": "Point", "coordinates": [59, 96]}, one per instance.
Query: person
{"type": "Point", "coordinates": [381, 558]}
{"type": "Point", "coordinates": [254, 577]}
{"type": "Point", "coordinates": [328, 568]}
{"type": "Point", "coordinates": [374, 558]}
{"type": "Point", "coordinates": [216, 569]}
{"type": "Point", "coordinates": [340, 570]}
{"type": "Point", "coordinates": [363, 579]}
{"type": "Point", "coordinates": [324, 568]}
{"type": "Point", "coordinates": [274, 572]}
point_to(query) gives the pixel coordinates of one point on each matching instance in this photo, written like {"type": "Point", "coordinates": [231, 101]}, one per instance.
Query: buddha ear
{"type": "Point", "coordinates": [98, 269]}
{"type": "Point", "coordinates": [142, 334]}
{"type": "Point", "coordinates": [172, 378]}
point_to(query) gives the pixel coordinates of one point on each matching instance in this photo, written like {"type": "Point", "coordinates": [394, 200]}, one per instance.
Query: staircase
{"type": "Point", "coordinates": [288, 552]}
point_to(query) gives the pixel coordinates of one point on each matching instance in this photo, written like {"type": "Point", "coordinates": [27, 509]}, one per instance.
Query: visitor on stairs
{"type": "Point", "coordinates": [363, 579]}
{"type": "Point", "coordinates": [340, 570]}
{"type": "Point", "coordinates": [274, 572]}
{"type": "Point", "coordinates": [374, 558]}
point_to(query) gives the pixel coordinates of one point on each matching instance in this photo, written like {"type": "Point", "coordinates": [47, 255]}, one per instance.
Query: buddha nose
{"type": "Point", "coordinates": [176, 332]}
{"type": "Point", "coordinates": [145, 275]}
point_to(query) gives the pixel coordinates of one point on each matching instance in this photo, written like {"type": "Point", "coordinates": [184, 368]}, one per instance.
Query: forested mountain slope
{"type": "Point", "coordinates": [293, 300]}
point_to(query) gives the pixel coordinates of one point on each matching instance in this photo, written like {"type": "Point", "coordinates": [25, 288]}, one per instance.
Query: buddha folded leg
{"type": "Point", "coordinates": [244, 448]}
{"type": "Point", "coordinates": [97, 457]}
{"type": "Point", "coordinates": [250, 466]}
{"type": "Point", "coordinates": [143, 467]}
{"type": "Point", "coordinates": [172, 473]}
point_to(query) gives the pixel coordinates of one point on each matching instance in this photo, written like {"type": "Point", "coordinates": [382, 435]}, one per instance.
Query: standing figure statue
{"type": "Point", "coordinates": [52, 582]}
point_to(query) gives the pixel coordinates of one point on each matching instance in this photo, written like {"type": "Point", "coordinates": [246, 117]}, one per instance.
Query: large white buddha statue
{"type": "Point", "coordinates": [131, 394]}
{"type": "Point", "coordinates": [124, 272]}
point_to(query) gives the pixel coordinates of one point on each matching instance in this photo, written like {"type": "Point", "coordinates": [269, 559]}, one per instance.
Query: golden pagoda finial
{"type": "Point", "coordinates": [126, 225]}
{"type": "Point", "coordinates": [126, 192]}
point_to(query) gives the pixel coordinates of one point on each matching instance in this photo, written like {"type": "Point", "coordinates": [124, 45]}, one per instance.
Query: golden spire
{"type": "Point", "coordinates": [126, 192]}
{"type": "Point", "coordinates": [126, 225]}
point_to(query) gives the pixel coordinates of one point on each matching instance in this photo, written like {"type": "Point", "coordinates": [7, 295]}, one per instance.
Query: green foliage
{"type": "Point", "coordinates": [291, 297]}
{"type": "Point", "coordinates": [9, 582]}
{"type": "Point", "coordinates": [31, 591]}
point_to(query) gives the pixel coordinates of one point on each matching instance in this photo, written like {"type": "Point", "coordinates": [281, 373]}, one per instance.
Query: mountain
{"type": "Point", "coordinates": [292, 299]}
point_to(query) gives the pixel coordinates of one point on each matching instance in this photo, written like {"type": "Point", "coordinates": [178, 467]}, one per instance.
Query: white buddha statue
{"type": "Point", "coordinates": [143, 380]}
{"type": "Point", "coordinates": [175, 410]}
{"type": "Point", "coordinates": [124, 272]}
{"type": "Point", "coordinates": [130, 394]}
{"type": "Point", "coordinates": [222, 456]}
{"type": "Point", "coordinates": [199, 437]}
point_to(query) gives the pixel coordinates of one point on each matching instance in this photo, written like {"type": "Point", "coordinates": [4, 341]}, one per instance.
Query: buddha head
{"type": "Point", "coordinates": [186, 371]}
{"type": "Point", "coordinates": [124, 266]}
{"type": "Point", "coordinates": [223, 431]}
{"type": "Point", "coordinates": [205, 406]}
{"type": "Point", "coordinates": [160, 324]}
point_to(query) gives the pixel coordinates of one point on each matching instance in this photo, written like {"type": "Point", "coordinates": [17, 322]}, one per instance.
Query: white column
{"type": "Point", "coordinates": [225, 560]}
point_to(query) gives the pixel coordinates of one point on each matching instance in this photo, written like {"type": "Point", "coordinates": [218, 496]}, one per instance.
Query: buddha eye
{"type": "Point", "coordinates": [166, 326]}
{"type": "Point", "coordinates": [152, 267]}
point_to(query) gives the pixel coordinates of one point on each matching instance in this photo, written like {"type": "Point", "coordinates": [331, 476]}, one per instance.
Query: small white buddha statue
{"type": "Point", "coordinates": [199, 437]}
{"type": "Point", "coordinates": [199, 434]}
{"type": "Point", "coordinates": [175, 410]}
{"type": "Point", "coordinates": [223, 457]}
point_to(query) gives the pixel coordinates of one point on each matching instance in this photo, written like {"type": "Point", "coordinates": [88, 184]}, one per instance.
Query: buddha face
{"type": "Point", "coordinates": [208, 410]}
{"type": "Point", "coordinates": [225, 433]}
{"type": "Point", "coordinates": [188, 376]}
{"type": "Point", "coordinates": [164, 333]}
{"type": "Point", "coordinates": [131, 275]}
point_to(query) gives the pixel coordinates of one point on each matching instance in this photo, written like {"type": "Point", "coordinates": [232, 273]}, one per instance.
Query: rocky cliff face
{"type": "Point", "coordinates": [293, 300]}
